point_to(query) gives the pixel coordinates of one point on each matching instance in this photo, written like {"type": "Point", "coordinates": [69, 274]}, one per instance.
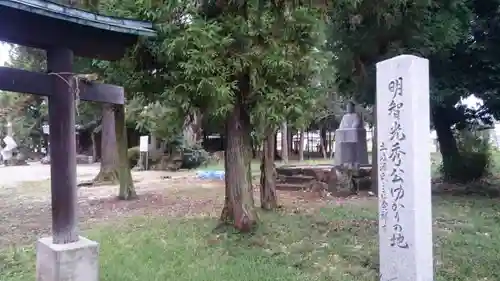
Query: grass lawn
{"type": "Point", "coordinates": [309, 239]}
{"type": "Point", "coordinates": [300, 242]}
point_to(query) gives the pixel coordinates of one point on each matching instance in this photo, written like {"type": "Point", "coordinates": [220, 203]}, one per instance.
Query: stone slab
{"type": "Point", "coordinates": [67, 262]}
{"type": "Point", "coordinates": [404, 175]}
{"type": "Point", "coordinates": [347, 135]}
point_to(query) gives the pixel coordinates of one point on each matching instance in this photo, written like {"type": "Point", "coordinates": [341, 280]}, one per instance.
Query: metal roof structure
{"type": "Point", "coordinates": [57, 11]}
{"type": "Point", "coordinates": [45, 24]}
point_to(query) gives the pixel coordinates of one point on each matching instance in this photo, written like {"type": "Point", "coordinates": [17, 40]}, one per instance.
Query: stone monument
{"type": "Point", "coordinates": [8, 151]}
{"type": "Point", "coordinates": [350, 139]}
{"type": "Point", "coordinates": [404, 169]}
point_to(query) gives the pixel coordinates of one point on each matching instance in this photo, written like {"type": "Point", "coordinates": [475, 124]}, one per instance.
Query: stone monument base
{"type": "Point", "coordinates": [351, 147]}
{"type": "Point", "coordinates": [76, 261]}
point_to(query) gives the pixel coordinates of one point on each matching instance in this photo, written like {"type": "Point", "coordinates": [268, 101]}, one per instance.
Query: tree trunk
{"type": "Point", "coordinates": [255, 147]}
{"type": "Point", "coordinates": [94, 147]}
{"type": "Point", "coordinates": [268, 197]}
{"type": "Point", "coordinates": [332, 146]}
{"type": "Point", "coordinates": [108, 172]}
{"type": "Point", "coordinates": [301, 145]}
{"type": "Point", "coordinates": [308, 142]}
{"type": "Point", "coordinates": [189, 134]}
{"type": "Point", "coordinates": [193, 129]}
{"type": "Point", "coordinates": [153, 146]}
{"type": "Point", "coordinates": [198, 127]}
{"type": "Point", "coordinates": [46, 143]}
{"type": "Point", "coordinates": [328, 144]}
{"type": "Point", "coordinates": [127, 190]}
{"type": "Point", "coordinates": [374, 173]}
{"type": "Point", "coordinates": [239, 203]}
{"type": "Point", "coordinates": [227, 215]}
{"type": "Point", "coordinates": [277, 156]}
{"type": "Point", "coordinates": [284, 142]}
{"type": "Point", "coordinates": [323, 142]}
{"type": "Point", "coordinates": [163, 146]}
{"type": "Point", "coordinates": [10, 130]}
{"type": "Point", "coordinates": [153, 152]}
{"type": "Point", "coordinates": [447, 142]}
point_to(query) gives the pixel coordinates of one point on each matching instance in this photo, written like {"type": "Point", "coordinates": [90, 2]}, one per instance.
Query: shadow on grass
{"type": "Point", "coordinates": [286, 246]}
{"type": "Point", "coordinates": [333, 243]}
{"type": "Point", "coordinates": [481, 188]}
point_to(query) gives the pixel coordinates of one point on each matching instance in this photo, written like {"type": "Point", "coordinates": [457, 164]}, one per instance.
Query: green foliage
{"type": "Point", "coordinates": [193, 157]}
{"type": "Point", "coordinates": [28, 112]}
{"type": "Point", "coordinates": [133, 154]}
{"type": "Point", "coordinates": [27, 58]}
{"type": "Point", "coordinates": [363, 33]}
{"type": "Point", "coordinates": [161, 121]}
{"type": "Point", "coordinates": [25, 112]}
{"type": "Point", "coordinates": [456, 36]}
{"type": "Point", "coordinates": [291, 68]}
{"type": "Point", "coordinates": [476, 60]}
{"type": "Point", "coordinates": [196, 62]}
{"type": "Point", "coordinates": [473, 162]}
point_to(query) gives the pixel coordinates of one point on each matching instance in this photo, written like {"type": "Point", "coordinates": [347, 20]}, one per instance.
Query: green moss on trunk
{"type": "Point", "coordinates": [127, 189]}
{"type": "Point", "coordinates": [239, 203]}
{"type": "Point", "coordinates": [108, 173]}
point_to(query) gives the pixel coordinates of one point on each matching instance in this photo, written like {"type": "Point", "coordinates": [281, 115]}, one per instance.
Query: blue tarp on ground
{"type": "Point", "coordinates": [210, 175]}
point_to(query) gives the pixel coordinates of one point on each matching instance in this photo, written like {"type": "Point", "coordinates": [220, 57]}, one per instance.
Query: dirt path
{"type": "Point", "coordinates": [25, 199]}
{"type": "Point", "coordinates": [11, 175]}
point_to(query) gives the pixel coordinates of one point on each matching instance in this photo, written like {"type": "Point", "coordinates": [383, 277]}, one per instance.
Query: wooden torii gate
{"type": "Point", "coordinates": [64, 32]}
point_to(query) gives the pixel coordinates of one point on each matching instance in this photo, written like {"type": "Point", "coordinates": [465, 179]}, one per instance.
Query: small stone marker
{"type": "Point", "coordinates": [403, 129]}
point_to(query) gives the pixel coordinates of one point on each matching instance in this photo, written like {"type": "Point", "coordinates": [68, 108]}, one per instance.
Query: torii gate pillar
{"type": "Point", "coordinates": [65, 255]}
{"type": "Point", "coordinates": [62, 147]}
{"type": "Point", "coordinates": [63, 32]}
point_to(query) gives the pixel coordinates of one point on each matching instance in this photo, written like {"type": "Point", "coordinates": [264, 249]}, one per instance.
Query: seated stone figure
{"type": "Point", "coordinates": [350, 139]}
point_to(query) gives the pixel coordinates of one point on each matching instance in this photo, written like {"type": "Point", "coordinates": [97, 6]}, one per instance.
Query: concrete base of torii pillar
{"type": "Point", "coordinates": [77, 261]}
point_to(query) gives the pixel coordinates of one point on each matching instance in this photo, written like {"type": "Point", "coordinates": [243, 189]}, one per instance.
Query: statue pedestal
{"type": "Point", "coordinates": [350, 147]}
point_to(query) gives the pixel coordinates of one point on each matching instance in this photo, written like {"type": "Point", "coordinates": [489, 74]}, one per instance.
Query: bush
{"type": "Point", "coordinates": [193, 157]}
{"type": "Point", "coordinates": [473, 162]}
{"type": "Point", "coordinates": [133, 155]}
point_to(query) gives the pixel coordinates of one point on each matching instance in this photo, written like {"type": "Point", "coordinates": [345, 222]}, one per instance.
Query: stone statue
{"type": "Point", "coordinates": [350, 139]}
{"type": "Point", "coordinates": [350, 119]}
{"type": "Point", "coordinates": [7, 151]}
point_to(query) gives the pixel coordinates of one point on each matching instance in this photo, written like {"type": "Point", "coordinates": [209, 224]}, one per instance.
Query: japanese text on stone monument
{"type": "Point", "coordinates": [392, 174]}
